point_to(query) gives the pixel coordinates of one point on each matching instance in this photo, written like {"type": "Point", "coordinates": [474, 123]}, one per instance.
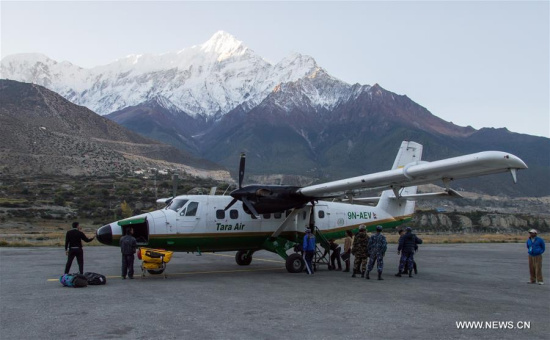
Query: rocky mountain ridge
{"type": "Point", "coordinates": [41, 132]}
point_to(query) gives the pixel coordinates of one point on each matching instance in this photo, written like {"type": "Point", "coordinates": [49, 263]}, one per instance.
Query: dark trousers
{"type": "Point", "coordinates": [128, 265]}
{"type": "Point", "coordinates": [309, 261]}
{"type": "Point", "coordinates": [407, 262]}
{"type": "Point", "coordinates": [335, 256]}
{"type": "Point", "coordinates": [79, 253]}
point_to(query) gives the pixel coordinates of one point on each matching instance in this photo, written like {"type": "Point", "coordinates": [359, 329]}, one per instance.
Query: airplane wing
{"type": "Point", "coordinates": [420, 172]}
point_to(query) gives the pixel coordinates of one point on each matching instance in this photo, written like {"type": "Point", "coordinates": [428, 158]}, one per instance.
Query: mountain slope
{"type": "Point", "coordinates": [42, 132]}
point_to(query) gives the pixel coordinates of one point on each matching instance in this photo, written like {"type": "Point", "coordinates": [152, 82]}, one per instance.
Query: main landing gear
{"type": "Point", "coordinates": [295, 263]}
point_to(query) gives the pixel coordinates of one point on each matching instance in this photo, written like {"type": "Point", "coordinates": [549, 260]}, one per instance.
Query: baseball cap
{"type": "Point", "coordinates": [379, 227]}
{"type": "Point", "coordinates": [532, 231]}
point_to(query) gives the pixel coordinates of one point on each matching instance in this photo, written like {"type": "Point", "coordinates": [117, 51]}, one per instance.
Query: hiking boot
{"type": "Point", "coordinates": [398, 274]}
{"type": "Point", "coordinates": [124, 277]}
{"type": "Point", "coordinates": [368, 277]}
{"type": "Point", "coordinates": [354, 272]}
{"type": "Point", "coordinates": [541, 283]}
{"type": "Point", "coordinates": [410, 274]}
{"type": "Point", "coordinates": [380, 276]}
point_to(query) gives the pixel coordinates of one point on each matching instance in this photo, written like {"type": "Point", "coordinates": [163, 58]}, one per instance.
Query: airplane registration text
{"type": "Point", "coordinates": [361, 215]}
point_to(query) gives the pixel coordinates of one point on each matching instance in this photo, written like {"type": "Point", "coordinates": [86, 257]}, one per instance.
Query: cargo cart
{"type": "Point", "coordinates": [154, 260]}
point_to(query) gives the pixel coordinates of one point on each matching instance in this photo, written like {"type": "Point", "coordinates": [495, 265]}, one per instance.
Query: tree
{"type": "Point", "coordinates": [126, 209]}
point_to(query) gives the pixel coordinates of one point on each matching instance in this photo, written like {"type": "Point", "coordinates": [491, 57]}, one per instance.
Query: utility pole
{"type": "Point", "coordinates": [174, 184]}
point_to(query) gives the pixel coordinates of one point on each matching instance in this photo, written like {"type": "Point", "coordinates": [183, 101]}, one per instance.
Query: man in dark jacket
{"type": "Point", "coordinates": [73, 247]}
{"type": "Point", "coordinates": [408, 244]}
{"type": "Point", "coordinates": [128, 247]}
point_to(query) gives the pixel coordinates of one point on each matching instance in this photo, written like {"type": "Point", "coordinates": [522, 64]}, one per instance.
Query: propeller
{"type": "Point", "coordinates": [240, 194]}
{"type": "Point", "coordinates": [265, 198]}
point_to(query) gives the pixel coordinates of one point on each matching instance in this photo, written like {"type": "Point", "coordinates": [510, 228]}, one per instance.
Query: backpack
{"type": "Point", "coordinates": [79, 280]}
{"type": "Point", "coordinates": [66, 280]}
{"type": "Point", "coordinates": [95, 278]}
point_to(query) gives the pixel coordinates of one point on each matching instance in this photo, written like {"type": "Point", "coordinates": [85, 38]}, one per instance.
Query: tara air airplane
{"type": "Point", "coordinates": [274, 217]}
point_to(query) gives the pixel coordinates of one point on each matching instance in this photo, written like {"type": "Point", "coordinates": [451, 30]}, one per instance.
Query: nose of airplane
{"type": "Point", "coordinates": [105, 235]}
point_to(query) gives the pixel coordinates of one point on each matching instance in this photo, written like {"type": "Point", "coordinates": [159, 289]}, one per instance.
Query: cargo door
{"type": "Point", "coordinates": [140, 226]}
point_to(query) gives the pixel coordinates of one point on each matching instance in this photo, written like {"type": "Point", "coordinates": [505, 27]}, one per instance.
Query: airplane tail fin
{"type": "Point", "coordinates": [409, 153]}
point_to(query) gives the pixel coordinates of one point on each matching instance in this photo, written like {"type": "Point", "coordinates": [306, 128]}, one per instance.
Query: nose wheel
{"type": "Point", "coordinates": [243, 257]}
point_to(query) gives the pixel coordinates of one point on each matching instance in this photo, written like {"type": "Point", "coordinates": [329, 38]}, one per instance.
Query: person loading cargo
{"type": "Point", "coordinates": [128, 247]}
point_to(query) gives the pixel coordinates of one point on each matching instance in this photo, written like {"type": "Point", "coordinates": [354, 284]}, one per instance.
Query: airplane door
{"type": "Point", "coordinates": [188, 217]}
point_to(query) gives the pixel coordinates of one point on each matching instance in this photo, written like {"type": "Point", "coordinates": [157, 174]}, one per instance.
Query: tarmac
{"type": "Point", "coordinates": [211, 297]}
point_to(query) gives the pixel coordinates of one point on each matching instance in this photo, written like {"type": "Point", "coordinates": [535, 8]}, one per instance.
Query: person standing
{"type": "Point", "coordinates": [535, 249]}
{"type": "Point", "coordinates": [408, 244]}
{"type": "Point", "coordinates": [359, 250]}
{"type": "Point", "coordinates": [309, 250]}
{"type": "Point", "coordinates": [347, 249]}
{"type": "Point", "coordinates": [335, 250]}
{"type": "Point", "coordinates": [128, 247]}
{"type": "Point", "coordinates": [377, 249]}
{"type": "Point", "coordinates": [73, 247]}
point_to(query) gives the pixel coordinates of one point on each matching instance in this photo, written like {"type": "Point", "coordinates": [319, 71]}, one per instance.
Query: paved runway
{"type": "Point", "coordinates": [210, 297]}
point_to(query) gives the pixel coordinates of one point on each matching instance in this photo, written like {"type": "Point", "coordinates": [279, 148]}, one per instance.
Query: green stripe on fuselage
{"type": "Point", "coordinates": [224, 241]}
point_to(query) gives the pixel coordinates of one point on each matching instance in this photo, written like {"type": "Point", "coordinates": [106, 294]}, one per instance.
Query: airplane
{"type": "Point", "coordinates": [275, 217]}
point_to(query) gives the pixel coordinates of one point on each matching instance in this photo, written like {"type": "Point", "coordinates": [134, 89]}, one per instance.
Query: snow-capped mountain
{"type": "Point", "coordinates": [207, 80]}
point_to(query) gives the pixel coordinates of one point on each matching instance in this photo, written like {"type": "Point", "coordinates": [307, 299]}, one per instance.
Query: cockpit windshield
{"type": "Point", "coordinates": [176, 204]}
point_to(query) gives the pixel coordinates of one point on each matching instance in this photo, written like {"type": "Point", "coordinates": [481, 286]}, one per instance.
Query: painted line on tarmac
{"type": "Point", "coordinates": [210, 272]}
{"type": "Point", "coordinates": [191, 273]}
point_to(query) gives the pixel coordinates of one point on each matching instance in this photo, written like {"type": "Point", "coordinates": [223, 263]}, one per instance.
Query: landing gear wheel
{"type": "Point", "coordinates": [295, 263]}
{"type": "Point", "coordinates": [243, 257]}
{"type": "Point", "coordinates": [155, 271]}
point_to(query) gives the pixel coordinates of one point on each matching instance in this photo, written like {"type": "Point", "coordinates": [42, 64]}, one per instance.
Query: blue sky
{"type": "Point", "coordinates": [478, 63]}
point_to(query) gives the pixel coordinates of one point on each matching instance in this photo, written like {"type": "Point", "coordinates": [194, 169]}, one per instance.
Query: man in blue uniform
{"type": "Point", "coordinates": [377, 249]}
{"type": "Point", "coordinates": [408, 244]}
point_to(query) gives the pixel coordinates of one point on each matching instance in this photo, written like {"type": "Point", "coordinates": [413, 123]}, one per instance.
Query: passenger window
{"type": "Point", "coordinates": [267, 216]}
{"type": "Point", "coordinates": [304, 215]}
{"type": "Point", "coordinates": [321, 214]}
{"type": "Point", "coordinates": [192, 209]}
{"type": "Point", "coordinates": [220, 214]}
{"type": "Point", "coordinates": [277, 215]}
{"type": "Point", "coordinates": [234, 214]}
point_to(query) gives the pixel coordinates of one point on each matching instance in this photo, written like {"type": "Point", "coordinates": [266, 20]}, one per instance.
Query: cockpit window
{"type": "Point", "coordinates": [176, 204]}
{"type": "Point", "coordinates": [192, 209]}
